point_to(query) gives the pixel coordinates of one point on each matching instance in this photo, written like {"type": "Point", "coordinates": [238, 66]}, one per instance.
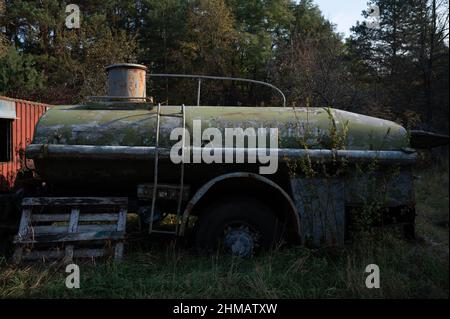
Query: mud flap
{"type": "Point", "coordinates": [321, 205]}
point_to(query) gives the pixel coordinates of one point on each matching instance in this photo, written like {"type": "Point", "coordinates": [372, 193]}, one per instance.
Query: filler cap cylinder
{"type": "Point", "coordinates": [127, 82]}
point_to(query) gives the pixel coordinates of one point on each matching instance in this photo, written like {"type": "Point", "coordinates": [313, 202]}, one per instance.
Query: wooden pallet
{"type": "Point", "coordinates": [71, 227]}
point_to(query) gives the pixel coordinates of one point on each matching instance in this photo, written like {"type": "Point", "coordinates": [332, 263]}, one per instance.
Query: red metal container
{"type": "Point", "coordinates": [18, 119]}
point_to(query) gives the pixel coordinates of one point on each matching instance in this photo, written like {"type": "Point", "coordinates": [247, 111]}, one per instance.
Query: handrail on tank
{"type": "Point", "coordinates": [209, 77]}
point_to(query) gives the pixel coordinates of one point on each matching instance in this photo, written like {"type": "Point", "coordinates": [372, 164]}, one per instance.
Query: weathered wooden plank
{"type": "Point", "coordinates": [38, 230]}
{"type": "Point", "coordinates": [121, 223]}
{"type": "Point", "coordinates": [83, 217]}
{"type": "Point", "coordinates": [73, 223]}
{"type": "Point", "coordinates": [121, 226]}
{"type": "Point", "coordinates": [107, 217]}
{"type": "Point", "coordinates": [97, 228]}
{"type": "Point", "coordinates": [72, 237]}
{"type": "Point", "coordinates": [75, 201]}
{"type": "Point", "coordinates": [24, 222]}
{"type": "Point", "coordinates": [50, 217]}
{"type": "Point", "coordinates": [71, 231]}
{"type": "Point", "coordinates": [73, 228]}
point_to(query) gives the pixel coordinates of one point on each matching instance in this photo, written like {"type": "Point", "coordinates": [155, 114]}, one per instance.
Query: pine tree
{"type": "Point", "coordinates": [397, 60]}
{"type": "Point", "coordinates": [19, 75]}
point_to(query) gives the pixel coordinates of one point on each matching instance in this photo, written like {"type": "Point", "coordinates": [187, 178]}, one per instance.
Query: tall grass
{"type": "Point", "coordinates": [162, 269]}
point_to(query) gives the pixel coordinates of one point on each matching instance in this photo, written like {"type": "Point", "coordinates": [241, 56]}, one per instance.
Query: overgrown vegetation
{"type": "Point", "coordinates": [397, 70]}
{"type": "Point", "coordinates": [161, 269]}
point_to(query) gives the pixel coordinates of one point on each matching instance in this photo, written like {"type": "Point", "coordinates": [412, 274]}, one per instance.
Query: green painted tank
{"type": "Point", "coordinates": [135, 125]}
{"type": "Point", "coordinates": [114, 142]}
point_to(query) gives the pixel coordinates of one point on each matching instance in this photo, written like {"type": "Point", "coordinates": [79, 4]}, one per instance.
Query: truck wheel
{"type": "Point", "coordinates": [238, 226]}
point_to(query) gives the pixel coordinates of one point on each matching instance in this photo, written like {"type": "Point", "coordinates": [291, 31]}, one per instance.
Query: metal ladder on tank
{"type": "Point", "coordinates": [182, 114]}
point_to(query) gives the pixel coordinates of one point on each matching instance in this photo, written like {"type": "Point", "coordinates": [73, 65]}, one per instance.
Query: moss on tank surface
{"type": "Point", "coordinates": [135, 125]}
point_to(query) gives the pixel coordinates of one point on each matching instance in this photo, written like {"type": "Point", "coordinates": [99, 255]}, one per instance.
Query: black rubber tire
{"type": "Point", "coordinates": [212, 222]}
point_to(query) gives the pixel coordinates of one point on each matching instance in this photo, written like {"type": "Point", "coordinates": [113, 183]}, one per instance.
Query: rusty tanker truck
{"type": "Point", "coordinates": [321, 169]}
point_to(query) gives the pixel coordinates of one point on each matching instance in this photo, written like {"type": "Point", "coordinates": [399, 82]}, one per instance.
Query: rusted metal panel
{"type": "Point", "coordinates": [127, 80]}
{"type": "Point", "coordinates": [321, 205]}
{"type": "Point", "coordinates": [26, 116]}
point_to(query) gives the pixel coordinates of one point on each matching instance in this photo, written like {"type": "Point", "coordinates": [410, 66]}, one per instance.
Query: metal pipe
{"type": "Point", "coordinates": [37, 151]}
{"type": "Point", "coordinates": [192, 76]}
{"type": "Point", "coordinates": [180, 198]}
{"type": "Point", "coordinates": [199, 90]}
{"type": "Point", "coordinates": [155, 170]}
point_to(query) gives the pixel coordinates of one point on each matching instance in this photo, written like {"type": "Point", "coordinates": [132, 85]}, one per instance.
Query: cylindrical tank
{"type": "Point", "coordinates": [93, 144]}
{"type": "Point", "coordinates": [127, 82]}
{"type": "Point", "coordinates": [113, 144]}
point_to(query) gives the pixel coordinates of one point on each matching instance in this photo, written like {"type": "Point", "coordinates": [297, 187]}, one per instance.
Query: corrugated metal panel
{"type": "Point", "coordinates": [27, 115]}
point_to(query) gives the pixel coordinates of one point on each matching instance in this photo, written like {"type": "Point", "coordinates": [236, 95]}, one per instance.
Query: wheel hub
{"type": "Point", "coordinates": [240, 241]}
